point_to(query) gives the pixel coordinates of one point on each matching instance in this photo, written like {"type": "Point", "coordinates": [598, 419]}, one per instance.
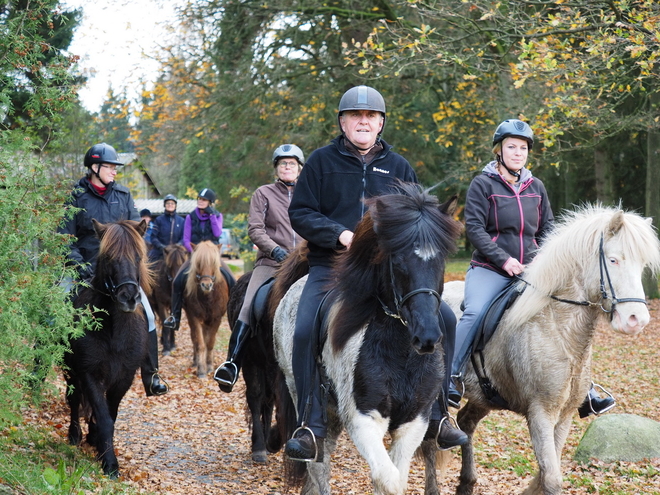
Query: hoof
{"type": "Point", "coordinates": [167, 353]}
{"type": "Point", "coordinates": [260, 457]}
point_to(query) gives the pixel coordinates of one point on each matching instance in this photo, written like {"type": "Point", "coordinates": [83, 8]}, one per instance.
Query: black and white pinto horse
{"type": "Point", "coordinates": [101, 365]}
{"type": "Point", "coordinates": [383, 353]}
{"type": "Point", "coordinates": [539, 360]}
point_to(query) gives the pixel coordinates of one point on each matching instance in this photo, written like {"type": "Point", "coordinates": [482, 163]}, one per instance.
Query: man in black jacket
{"type": "Point", "coordinates": [325, 209]}
{"type": "Point", "coordinates": [99, 197]}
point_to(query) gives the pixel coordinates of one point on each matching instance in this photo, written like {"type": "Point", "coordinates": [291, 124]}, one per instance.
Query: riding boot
{"type": "Point", "coordinates": [443, 428]}
{"type": "Point", "coordinates": [153, 384]}
{"type": "Point", "coordinates": [178, 284]}
{"type": "Point", "coordinates": [227, 373]}
{"type": "Point", "coordinates": [595, 404]}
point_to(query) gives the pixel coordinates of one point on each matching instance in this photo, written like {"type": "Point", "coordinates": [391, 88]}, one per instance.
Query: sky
{"type": "Point", "coordinates": [117, 40]}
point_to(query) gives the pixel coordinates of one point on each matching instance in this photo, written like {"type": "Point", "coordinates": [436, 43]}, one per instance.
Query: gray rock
{"type": "Point", "coordinates": [620, 437]}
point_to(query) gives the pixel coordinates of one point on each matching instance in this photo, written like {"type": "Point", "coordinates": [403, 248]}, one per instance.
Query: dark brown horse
{"type": "Point", "coordinates": [205, 301]}
{"type": "Point", "coordinates": [260, 369]}
{"type": "Point", "coordinates": [166, 269]}
{"type": "Point", "coordinates": [102, 363]}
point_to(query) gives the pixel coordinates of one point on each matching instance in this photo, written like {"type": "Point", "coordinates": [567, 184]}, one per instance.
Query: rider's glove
{"type": "Point", "coordinates": [278, 254]}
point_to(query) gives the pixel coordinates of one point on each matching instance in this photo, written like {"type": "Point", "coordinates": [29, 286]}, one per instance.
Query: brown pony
{"type": "Point", "coordinates": [205, 301]}
{"type": "Point", "coordinates": [166, 269]}
{"type": "Point", "coordinates": [101, 366]}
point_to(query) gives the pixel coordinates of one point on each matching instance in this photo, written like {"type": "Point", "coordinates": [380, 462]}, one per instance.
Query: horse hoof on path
{"type": "Point", "coordinates": [260, 457]}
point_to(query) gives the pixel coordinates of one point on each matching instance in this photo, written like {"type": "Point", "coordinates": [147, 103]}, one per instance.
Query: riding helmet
{"type": "Point", "coordinates": [288, 151]}
{"type": "Point", "coordinates": [514, 128]}
{"type": "Point", "coordinates": [207, 193]}
{"type": "Point", "coordinates": [362, 98]}
{"type": "Point", "coordinates": [145, 212]}
{"type": "Point", "coordinates": [170, 197]}
{"type": "Point", "coordinates": [101, 153]}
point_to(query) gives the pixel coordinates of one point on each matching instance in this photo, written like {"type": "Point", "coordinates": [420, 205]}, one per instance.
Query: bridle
{"type": "Point", "coordinates": [604, 276]}
{"type": "Point", "coordinates": [400, 301]}
{"type": "Point", "coordinates": [113, 288]}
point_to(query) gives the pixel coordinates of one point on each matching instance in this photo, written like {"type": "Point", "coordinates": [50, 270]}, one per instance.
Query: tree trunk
{"type": "Point", "coordinates": [603, 173]}
{"type": "Point", "coordinates": [653, 191]}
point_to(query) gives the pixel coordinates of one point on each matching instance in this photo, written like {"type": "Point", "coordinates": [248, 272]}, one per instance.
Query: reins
{"type": "Point", "coordinates": [604, 275]}
{"type": "Point", "coordinates": [400, 301]}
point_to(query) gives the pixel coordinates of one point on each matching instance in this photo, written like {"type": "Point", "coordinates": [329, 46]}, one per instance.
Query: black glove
{"type": "Point", "coordinates": [209, 210]}
{"type": "Point", "coordinates": [279, 254]}
{"type": "Point", "coordinates": [85, 271]}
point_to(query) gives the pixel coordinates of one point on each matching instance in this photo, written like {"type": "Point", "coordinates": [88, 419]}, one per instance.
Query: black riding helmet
{"type": "Point", "coordinates": [101, 153]}
{"type": "Point", "coordinates": [170, 197]}
{"type": "Point", "coordinates": [362, 98]}
{"type": "Point", "coordinates": [513, 128]}
{"type": "Point", "coordinates": [208, 194]}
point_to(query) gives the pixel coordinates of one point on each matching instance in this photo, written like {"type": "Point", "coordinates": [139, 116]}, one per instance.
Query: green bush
{"type": "Point", "coordinates": [36, 320]}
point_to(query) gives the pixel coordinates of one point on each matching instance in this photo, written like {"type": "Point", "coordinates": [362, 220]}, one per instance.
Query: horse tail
{"type": "Point", "coordinates": [294, 268]}
{"type": "Point", "coordinates": [286, 422]}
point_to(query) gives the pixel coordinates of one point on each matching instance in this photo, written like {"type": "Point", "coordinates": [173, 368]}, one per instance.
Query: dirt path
{"type": "Point", "coordinates": [195, 439]}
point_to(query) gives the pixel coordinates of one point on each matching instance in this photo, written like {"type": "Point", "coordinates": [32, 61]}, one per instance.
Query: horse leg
{"type": "Point", "coordinates": [367, 433]}
{"type": "Point", "coordinates": [104, 428]}
{"type": "Point", "coordinates": [405, 441]}
{"type": "Point", "coordinates": [196, 339]}
{"type": "Point", "coordinates": [210, 333]}
{"type": "Point", "coordinates": [318, 473]}
{"type": "Point", "coordinates": [542, 430]}
{"type": "Point", "coordinates": [254, 398]}
{"type": "Point", "coordinates": [73, 399]}
{"type": "Point", "coordinates": [468, 418]}
{"type": "Point", "coordinates": [429, 452]}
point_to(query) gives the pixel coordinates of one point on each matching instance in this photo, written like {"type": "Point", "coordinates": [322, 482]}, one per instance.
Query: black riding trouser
{"type": "Point", "coordinates": [440, 407]}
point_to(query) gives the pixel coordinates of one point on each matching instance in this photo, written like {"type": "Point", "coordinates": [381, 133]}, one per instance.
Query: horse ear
{"type": "Point", "coordinates": [142, 227]}
{"type": "Point", "coordinates": [99, 228]}
{"type": "Point", "coordinates": [616, 222]}
{"type": "Point", "coordinates": [449, 206]}
{"type": "Point", "coordinates": [193, 245]}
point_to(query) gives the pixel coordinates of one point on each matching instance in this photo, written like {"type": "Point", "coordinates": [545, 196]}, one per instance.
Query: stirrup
{"type": "Point", "coordinates": [222, 380]}
{"type": "Point", "coordinates": [606, 392]}
{"type": "Point", "coordinates": [446, 417]}
{"type": "Point", "coordinates": [303, 427]}
{"type": "Point", "coordinates": [457, 379]}
{"type": "Point", "coordinates": [161, 380]}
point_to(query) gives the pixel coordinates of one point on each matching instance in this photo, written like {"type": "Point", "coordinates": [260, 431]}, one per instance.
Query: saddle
{"type": "Point", "coordinates": [487, 323]}
{"type": "Point", "coordinates": [260, 304]}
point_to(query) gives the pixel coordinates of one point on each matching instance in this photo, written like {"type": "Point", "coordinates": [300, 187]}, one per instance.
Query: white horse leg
{"type": "Point", "coordinates": [367, 433]}
{"type": "Point", "coordinates": [561, 433]}
{"type": "Point", "coordinates": [405, 441]}
{"type": "Point", "coordinates": [548, 481]}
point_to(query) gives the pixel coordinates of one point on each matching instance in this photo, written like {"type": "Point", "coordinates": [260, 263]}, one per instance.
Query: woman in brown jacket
{"type": "Point", "coordinates": [270, 230]}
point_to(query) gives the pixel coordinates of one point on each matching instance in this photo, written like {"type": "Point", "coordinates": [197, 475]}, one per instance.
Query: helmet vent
{"type": "Point", "coordinates": [362, 95]}
{"type": "Point", "coordinates": [519, 125]}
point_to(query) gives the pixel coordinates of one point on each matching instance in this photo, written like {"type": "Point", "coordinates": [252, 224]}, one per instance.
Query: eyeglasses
{"type": "Point", "coordinates": [111, 166]}
{"type": "Point", "coordinates": [287, 164]}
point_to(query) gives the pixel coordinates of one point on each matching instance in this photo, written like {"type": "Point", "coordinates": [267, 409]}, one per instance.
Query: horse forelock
{"type": "Point", "coordinates": [205, 260]}
{"type": "Point", "coordinates": [122, 241]}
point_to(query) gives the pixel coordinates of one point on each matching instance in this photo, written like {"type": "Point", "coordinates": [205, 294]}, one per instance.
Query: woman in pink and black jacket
{"type": "Point", "coordinates": [507, 212]}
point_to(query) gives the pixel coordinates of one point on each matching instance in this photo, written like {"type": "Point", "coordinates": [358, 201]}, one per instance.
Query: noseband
{"type": "Point", "coordinates": [400, 301]}
{"type": "Point", "coordinates": [202, 277]}
{"type": "Point", "coordinates": [604, 275]}
{"type": "Point", "coordinates": [112, 288]}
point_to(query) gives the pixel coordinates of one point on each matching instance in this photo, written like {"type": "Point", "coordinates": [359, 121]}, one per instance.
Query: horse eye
{"type": "Point", "coordinates": [614, 261]}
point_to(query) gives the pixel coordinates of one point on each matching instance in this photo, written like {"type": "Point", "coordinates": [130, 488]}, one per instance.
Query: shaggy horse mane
{"type": "Point", "coordinates": [205, 259]}
{"type": "Point", "coordinates": [397, 225]}
{"type": "Point", "coordinates": [122, 240]}
{"type": "Point", "coordinates": [573, 246]}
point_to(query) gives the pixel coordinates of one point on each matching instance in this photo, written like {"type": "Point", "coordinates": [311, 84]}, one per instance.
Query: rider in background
{"type": "Point", "coordinates": [99, 197]}
{"type": "Point", "coordinates": [145, 214]}
{"type": "Point", "coordinates": [270, 230]}
{"type": "Point", "coordinates": [507, 212]}
{"type": "Point", "coordinates": [325, 209]}
{"type": "Point", "coordinates": [203, 224]}
{"type": "Point", "coordinates": [168, 228]}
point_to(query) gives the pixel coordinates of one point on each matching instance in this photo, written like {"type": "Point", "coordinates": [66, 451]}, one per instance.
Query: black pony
{"type": "Point", "coordinates": [261, 373]}
{"type": "Point", "coordinates": [382, 352]}
{"type": "Point", "coordinates": [102, 363]}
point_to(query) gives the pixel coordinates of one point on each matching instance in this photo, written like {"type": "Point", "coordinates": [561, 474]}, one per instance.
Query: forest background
{"type": "Point", "coordinates": [245, 76]}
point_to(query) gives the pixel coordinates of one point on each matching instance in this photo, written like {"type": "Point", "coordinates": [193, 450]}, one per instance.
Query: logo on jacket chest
{"type": "Point", "coordinates": [376, 169]}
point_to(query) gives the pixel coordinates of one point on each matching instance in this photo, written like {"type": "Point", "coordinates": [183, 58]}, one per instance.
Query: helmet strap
{"type": "Point", "coordinates": [98, 176]}
{"type": "Point", "coordinates": [500, 161]}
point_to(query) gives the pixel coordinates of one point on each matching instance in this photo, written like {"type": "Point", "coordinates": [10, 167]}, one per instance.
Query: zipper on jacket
{"type": "Point", "coordinates": [364, 185]}
{"type": "Point", "coordinates": [521, 236]}
{"type": "Point", "coordinates": [293, 232]}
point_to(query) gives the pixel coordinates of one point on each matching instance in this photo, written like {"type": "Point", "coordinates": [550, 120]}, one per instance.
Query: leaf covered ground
{"type": "Point", "coordinates": [195, 440]}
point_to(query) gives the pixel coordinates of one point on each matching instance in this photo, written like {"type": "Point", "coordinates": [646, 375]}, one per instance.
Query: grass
{"type": "Point", "coordinates": [35, 461]}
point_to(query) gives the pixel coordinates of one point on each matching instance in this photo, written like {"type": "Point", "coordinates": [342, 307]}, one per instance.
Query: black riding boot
{"type": "Point", "coordinates": [595, 404]}
{"type": "Point", "coordinates": [153, 385]}
{"type": "Point", "coordinates": [178, 284]}
{"type": "Point", "coordinates": [227, 373]}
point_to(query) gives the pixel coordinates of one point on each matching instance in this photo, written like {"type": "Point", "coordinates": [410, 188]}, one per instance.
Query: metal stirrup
{"type": "Point", "coordinates": [304, 427]}
{"type": "Point", "coordinates": [223, 381]}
